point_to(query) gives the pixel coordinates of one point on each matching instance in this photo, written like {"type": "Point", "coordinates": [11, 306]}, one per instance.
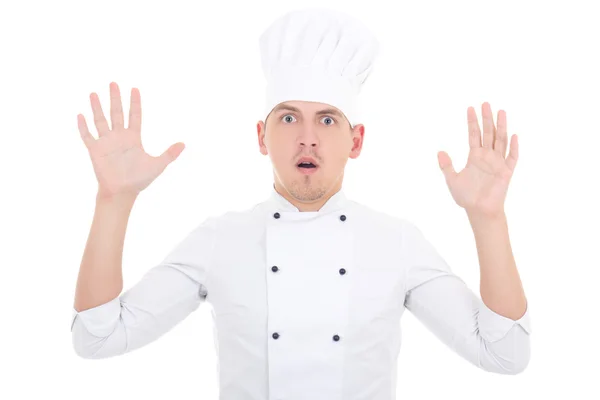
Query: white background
{"type": "Point", "coordinates": [197, 66]}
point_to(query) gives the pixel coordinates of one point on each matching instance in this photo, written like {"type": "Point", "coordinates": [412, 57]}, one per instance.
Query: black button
{"type": "Point", "coordinates": [274, 268]}
{"type": "Point", "coordinates": [276, 215]}
{"type": "Point", "coordinates": [336, 338]}
{"type": "Point", "coordinates": [275, 335]}
{"type": "Point", "coordinates": [343, 217]}
{"type": "Point", "coordinates": [342, 271]}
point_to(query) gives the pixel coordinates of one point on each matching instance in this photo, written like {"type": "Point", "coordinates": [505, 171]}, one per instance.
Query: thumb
{"type": "Point", "coordinates": [171, 154]}
{"type": "Point", "coordinates": [446, 165]}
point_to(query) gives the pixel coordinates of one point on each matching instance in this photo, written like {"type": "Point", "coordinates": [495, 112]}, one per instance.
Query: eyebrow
{"type": "Point", "coordinates": [320, 112]}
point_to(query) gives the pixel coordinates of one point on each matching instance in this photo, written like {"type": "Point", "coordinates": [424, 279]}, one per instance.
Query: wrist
{"type": "Point", "coordinates": [115, 198]}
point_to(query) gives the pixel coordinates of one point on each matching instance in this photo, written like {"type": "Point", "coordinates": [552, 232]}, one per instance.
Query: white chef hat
{"type": "Point", "coordinates": [320, 55]}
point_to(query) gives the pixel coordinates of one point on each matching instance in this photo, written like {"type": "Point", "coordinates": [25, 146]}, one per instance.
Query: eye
{"type": "Point", "coordinates": [329, 118]}
{"type": "Point", "coordinates": [288, 115]}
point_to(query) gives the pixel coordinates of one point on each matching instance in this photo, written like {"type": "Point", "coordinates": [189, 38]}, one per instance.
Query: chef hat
{"type": "Point", "coordinates": [319, 55]}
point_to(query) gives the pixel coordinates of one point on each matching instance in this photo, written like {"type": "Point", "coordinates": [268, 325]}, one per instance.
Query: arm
{"type": "Point", "coordinates": [165, 296]}
{"type": "Point", "coordinates": [104, 324]}
{"type": "Point", "coordinates": [456, 315]}
{"type": "Point", "coordinates": [500, 283]}
{"type": "Point", "coordinates": [492, 333]}
{"type": "Point", "coordinates": [100, 276]}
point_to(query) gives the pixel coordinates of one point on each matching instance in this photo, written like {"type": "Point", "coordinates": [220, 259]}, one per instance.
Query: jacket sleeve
{"type": "Point", "coordinates": [456, 315]}
{"type": "Point", "coordinates": [165, 296]}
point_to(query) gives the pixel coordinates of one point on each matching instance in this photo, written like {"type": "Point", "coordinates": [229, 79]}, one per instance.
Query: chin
{"type": "Point", "coordinates": [306, 190]}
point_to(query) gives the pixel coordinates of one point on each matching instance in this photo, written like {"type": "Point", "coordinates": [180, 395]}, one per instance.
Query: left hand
{"type": "Point", "coordinates": [481, 187]}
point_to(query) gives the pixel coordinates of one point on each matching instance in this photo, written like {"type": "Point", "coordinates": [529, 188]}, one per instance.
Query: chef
{"type": "Point", "coordinates": [308, 287]}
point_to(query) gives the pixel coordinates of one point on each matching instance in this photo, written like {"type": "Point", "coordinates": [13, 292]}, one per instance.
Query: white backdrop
{"type": "Point", "coordinates": [197, 66]}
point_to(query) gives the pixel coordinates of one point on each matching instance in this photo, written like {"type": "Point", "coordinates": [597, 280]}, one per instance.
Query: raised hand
{"type": "Point", "coordinates": [120, 163]}
{"type": "Point", "coordinates": [481, 187]}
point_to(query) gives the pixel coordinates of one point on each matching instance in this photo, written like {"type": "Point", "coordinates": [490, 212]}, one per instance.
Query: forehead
{"type": "Point", "coordinates": [305, 104]}
{"type": "Point", "coordinates": [307, 107]}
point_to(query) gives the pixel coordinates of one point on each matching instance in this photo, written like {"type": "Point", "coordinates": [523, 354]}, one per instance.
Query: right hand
{"type": "Point", "coordinates": [120, 163]}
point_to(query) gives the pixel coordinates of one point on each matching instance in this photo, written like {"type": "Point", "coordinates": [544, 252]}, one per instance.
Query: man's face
{"type": "Point", "coordinates": [298, 129]}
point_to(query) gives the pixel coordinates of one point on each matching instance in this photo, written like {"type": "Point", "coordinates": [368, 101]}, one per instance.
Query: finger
{"type": "Point", "coordinates": [513, 154]}
{"type": "Point", "coordinates": [135, 111]}
{"type": "Point", "coordinates": [171, 154]}
{"type": "Point", "coordinates": [116, 108]}
{"type": "Point", "coordinates": [494, 133]}
{"type": "Point", "coordinates": [99, 119]}
{"type": "Point", "coordinates": [87, 137]}
{"type": "Point", "coordinates": [473, 126]}
{"type": "Point", "coordinates": [501, 140]}
{"type": "Point", "coordinates": [488, 125]}
{"type": "Point", "coordinates": [446, 166]}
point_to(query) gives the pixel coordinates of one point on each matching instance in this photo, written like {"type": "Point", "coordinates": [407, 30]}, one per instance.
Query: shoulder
{"type": "Point", "coordinates": [234, 220]}
{"type": "Point", "coordinates": [378, 219]}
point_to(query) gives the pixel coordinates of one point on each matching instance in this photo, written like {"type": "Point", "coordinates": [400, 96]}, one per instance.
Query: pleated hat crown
{"type": "Point", "coordinates": [320, 55]}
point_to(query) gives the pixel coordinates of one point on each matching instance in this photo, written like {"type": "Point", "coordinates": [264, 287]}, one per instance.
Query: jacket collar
{"type": "Point", "coordinates": [336, 202]}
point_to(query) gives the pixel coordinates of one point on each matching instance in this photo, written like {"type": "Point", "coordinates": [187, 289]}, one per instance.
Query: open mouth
{"type": "Point", "coordinates": [306, 165]}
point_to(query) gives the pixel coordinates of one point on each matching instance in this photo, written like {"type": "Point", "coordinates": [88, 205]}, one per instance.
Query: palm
{"type": "Point", "coordinates": [481, 187]}
{"type": "Point", "coordinates": [120, 161]}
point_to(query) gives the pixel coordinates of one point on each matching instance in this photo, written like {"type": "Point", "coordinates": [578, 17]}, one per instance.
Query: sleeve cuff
{"type": "Point", "coordinates": [493, 326]}
{"type": "Point", "coordinates": [100, 320]}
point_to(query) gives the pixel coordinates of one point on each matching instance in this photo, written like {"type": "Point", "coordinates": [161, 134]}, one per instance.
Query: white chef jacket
{"type": "Point", "coordinates": [306, 305]}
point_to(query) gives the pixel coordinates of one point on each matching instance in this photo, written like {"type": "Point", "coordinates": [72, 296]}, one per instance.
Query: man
{"type": "Point", "coordinates": [307, 287]}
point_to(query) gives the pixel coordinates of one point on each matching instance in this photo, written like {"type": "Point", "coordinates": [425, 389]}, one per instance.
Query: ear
{"type": "Point", "coordinates": [261, 131]}
{"type": "Point", "coordinates": [358, 134]}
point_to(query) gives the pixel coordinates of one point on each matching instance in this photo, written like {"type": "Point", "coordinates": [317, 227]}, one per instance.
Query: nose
{"type": "Point", "coordinates": [308, 137]}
